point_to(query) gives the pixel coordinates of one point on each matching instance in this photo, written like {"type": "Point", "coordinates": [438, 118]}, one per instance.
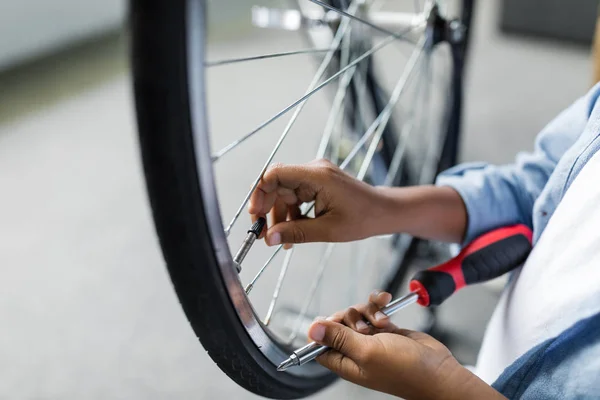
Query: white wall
{"type": "Point", "coordinates": [29, 28]}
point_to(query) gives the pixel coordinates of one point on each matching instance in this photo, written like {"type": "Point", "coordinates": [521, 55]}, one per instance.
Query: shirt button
{"type": "Point", "coordinates": [544, 213]}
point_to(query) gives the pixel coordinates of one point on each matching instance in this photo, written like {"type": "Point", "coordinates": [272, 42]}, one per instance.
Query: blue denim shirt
{"type": "Point", "coordinates": [529, 190]}
{"type": "Point", "coordinates": [564, 367]}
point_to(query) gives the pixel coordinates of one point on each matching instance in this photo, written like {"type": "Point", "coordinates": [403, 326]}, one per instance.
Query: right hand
{"type": "Point", "coordinates": [345, 207]}
{"type": "Point", "coordinates": [400, 362]}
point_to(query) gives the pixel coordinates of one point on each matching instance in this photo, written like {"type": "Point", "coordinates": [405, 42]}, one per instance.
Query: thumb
{"type": "Point", "coordinates": [303, 230]}
{"type": "Point", "coordinates": [339, 337]}
{"type": "Point", "coordinates": [347, 347]}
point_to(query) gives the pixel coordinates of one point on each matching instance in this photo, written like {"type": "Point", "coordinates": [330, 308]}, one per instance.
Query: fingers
{"type": "Point", "coordinates": [339, 337]}
{"type": "Point", "coordinates": [380, 298]}
{"type": "Point", "coordinates": [356, 317]}
{"type": "Point", "coordinates": [300, 231]}
{"type": "Point", "coordinates": [287, 186]}
{"type": "Point", "coordinates": [337, 317]}
{"type": "Point", "coordinates": [279, 192]}
{"type": "Point", "coordinates": [341, 365]}
{"type": "Point", "coordinates": [355, 320]}
{"type": "Point", "coordinates": [286, 181]}
{"type": "Point", "coordinates": [372, 310]}
{"type": "Point", "coordinates": [279, 212]}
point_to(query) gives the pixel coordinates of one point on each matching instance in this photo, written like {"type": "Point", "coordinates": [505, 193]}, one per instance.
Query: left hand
{"type": "Point", "coordinates": [383, 357]}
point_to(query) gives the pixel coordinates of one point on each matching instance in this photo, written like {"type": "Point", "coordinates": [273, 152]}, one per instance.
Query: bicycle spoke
{"type": "Point", "coordinates": [264, 267]}
{"type": "Point", "coordinates": [359, 84]}
{"type": "Point", "coordinates": [361, 20]}
{"type": "Point", "coordinates": [305, 210]}
{"type": "Point", "coordinates": [334, 113]}
{"type": "Point", "coordinates": [282, 275]}
{"type": "Point", "coordinates": [290, 124]}
{"type": "Point", "coordinates": [340, 96]}
{"type": "Point", "coordinates": [386, 113]}
{"type": "Point", "coordinates": [263, 57]}
{"type": "Point", "coordinates": [431, 147]}
{"type": "Point", "coordinates": [339, 137]}
{"type": "Point", "coordinates": [381, 121]}
{"type": "Point", "coordinates": [405, 134]}
{"type": "Point", "coordinates": [308, 209]}
{"type": "Point", "coordinates": [433, 156]}
{"type": "Point", "coordinates": [312, 88]}
{"type": "Point", "coordinates": [313, 287]}
{"type": "Point", "coordinates": [366, 162]}
{"type": "Point", "coordinates": [397, 157]}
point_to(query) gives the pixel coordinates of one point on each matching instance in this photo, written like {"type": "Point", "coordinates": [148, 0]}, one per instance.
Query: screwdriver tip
{"type": "Point", "coordinates": [285, 365]}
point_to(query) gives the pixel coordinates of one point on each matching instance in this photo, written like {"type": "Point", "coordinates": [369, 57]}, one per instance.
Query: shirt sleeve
{"type": "Point", "coordinates": [500, 195]}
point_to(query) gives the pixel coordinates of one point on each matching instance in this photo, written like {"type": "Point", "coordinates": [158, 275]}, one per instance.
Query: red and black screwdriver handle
{"type": "Point", "coordinates": [489, 256]}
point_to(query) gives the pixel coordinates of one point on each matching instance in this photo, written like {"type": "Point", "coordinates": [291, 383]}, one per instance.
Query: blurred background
{"type": "Point", "coordinates": [87, 309]}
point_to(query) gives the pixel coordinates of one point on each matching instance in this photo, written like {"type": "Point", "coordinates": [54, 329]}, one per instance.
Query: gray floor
{"type": "Point", "coordinates": [87, 309]}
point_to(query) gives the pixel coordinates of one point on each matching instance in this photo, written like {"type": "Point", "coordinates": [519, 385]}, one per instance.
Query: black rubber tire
{"type": "Point", "coordinates": [162, 98]}
{"type": "Point", "coordinates": [158, 37]}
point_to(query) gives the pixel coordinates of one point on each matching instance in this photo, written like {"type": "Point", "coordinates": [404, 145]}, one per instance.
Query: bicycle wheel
{"type": "Point", "coordinates": [247, 328]}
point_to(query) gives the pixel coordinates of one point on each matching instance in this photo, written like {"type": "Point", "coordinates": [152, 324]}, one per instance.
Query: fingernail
{"type": "Point", "coordinates": [361, 325]}
{"type": "Point", "coordinates": [317, 333]}
{"type": "Point", "coordinates": [320, 318]}
{"type": "Point", "coordinates": [380, 316]}
{"type": "Point", "coordinates": [330, 318]}
{"type": "Point", "coordinates": [274, 239]}
{"type": "Point", "coordinates": [383, 295]}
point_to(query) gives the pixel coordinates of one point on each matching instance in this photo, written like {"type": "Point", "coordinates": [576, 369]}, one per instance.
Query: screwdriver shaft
{"type": "Point", "coordinates": [244, 249]}
{"type": "Point", "coordinates": [251, 236]}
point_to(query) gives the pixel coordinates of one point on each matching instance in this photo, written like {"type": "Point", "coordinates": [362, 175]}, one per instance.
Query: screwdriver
{"type": "Point", "coordinates": [489, 256]}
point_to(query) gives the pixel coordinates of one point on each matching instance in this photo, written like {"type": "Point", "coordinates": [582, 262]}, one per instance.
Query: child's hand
{"type": "Point", "coordinates": [346, 209]}
{"type": "Point", "coordinates": [397, 361]}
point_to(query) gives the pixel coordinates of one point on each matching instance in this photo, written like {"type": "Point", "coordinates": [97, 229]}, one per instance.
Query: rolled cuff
{"type": "Point", "coordinates": [464, 192]}
{"type": "Point", "coordinates": [466, 180]}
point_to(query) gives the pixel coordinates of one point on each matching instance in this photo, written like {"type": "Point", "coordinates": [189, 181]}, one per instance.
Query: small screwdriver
{"type": "Point", "coordinates": [489, 256]}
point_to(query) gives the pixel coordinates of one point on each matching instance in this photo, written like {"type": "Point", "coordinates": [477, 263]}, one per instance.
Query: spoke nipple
{"type": "Point", "coordinates": [249, 288]}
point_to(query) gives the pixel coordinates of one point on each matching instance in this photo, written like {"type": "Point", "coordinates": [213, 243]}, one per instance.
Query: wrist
{"type": "Point", "coordinates": [457, 382]}
{"type": "Point", "coordinates": [401, 209]}
{"type": "Point", "coordinates": [429, 212]}
{"type": "Point", "coordinates": [387, 211]}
